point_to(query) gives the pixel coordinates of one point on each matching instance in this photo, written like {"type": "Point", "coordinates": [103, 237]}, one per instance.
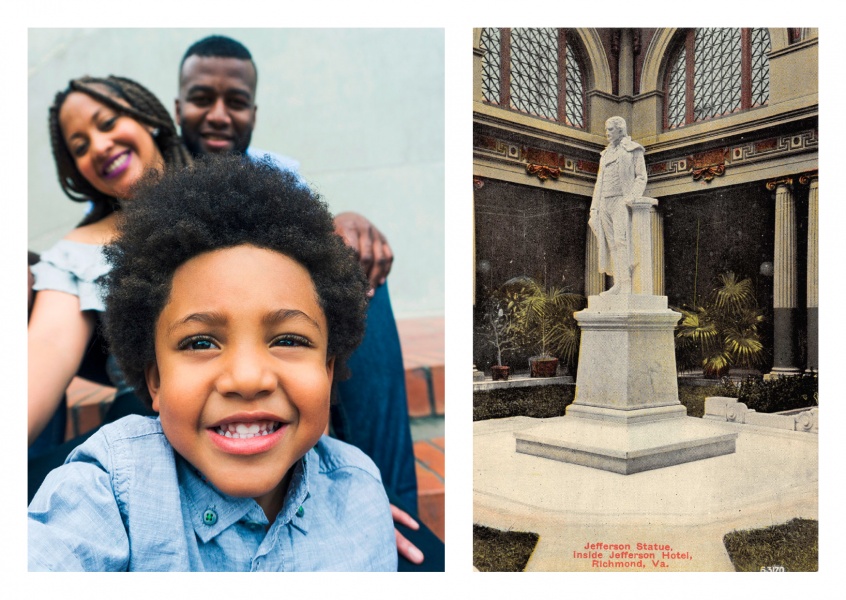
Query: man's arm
{"type": "Point", "coordinates": [371, 247]}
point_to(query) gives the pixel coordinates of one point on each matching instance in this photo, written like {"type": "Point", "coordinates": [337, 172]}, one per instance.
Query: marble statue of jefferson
{"type": "Point", "coordinates": [620, 182]}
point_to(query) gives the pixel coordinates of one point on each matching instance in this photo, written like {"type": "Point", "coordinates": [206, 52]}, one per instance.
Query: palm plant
{"type": "Point", "coordinates": [723, 333]}
{"type": "Point", "coordinates": [543, 318]}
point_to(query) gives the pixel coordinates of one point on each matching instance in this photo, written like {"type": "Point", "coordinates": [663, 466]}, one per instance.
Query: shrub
{"type": "Point", "coordinates": [774, 395]}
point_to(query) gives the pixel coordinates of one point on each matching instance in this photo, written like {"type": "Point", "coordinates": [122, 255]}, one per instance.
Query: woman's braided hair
{"type": "Point", "coordinates": [144, 107]}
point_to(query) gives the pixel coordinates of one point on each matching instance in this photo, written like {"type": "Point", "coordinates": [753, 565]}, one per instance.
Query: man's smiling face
{"type": "Point", "coordinates": [216, 108]}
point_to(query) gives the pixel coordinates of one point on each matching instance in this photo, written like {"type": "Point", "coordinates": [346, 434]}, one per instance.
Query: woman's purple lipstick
{"type": "Point", "coordinates": [117, 165]}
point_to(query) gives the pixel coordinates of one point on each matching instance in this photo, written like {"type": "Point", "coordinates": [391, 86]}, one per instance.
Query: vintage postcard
{"type": "Point", "coordinates": [645, 299]}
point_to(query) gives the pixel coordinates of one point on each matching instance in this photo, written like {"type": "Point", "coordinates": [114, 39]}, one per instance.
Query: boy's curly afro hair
{"type": "Point", "coordinates": [221, 202]}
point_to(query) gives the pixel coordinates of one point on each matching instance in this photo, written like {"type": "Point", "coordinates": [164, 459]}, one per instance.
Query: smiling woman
{"type": "Point", "coordinates": [111, 150]}
{"type": "Point", "coordinates": [105, 134]}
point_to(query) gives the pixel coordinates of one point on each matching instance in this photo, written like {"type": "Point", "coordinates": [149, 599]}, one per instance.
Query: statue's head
{"type": "Point", "coordinates": [615, 129]}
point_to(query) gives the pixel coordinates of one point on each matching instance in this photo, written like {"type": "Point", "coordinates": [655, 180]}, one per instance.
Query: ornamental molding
{"type": "Point", "coordinates": [702, 166]}
{"type": "Point", "coordinates": [543, 172]}
{"type": "Point", "coordinates": [538, 162]}
{"type": "Point", "coordinates": [707, 165]}
{"type": "Point", "coordinates": [713, 163]}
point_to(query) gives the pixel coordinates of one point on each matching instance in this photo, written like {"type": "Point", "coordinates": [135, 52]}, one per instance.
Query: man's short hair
{"type": "Point", "coordinates": [619, 123]}
{"type": "Point", "coordinates": [218, 46]}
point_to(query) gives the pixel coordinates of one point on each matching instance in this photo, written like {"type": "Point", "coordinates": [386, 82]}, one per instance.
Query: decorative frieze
{"type": "Point", "coordinates": [538, 162]}
{"type": "Point", "coordinates": [714, 163]}
{"type": "Point", "coordinates": [703, 166]}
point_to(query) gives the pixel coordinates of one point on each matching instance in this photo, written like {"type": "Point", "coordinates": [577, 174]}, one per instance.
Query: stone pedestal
{"type": "Point", "coordinates": [626, 416]}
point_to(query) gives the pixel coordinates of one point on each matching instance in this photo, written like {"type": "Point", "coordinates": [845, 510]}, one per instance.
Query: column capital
{"type": "Point", "coordinates": [809, 177]}
{"type": "Point", "coordinates": [774, 183]}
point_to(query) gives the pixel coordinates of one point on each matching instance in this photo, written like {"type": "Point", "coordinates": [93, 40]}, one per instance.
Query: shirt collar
{"type": "Point", "coordinates": [211, 512]}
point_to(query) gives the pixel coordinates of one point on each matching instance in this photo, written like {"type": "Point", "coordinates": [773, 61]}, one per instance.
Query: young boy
{"type": "Point", "coordinates": [230, 306]}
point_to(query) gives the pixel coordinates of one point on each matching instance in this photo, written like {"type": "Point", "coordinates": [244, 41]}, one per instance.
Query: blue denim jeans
{"type": "Point", "coordinates": [371, 411]}
{"type": "Point", "coordinates": [53, 434]}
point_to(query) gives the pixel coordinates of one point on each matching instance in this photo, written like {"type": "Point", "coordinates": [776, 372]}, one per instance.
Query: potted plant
{"type": "Point", "coordinates": [724, 332]}
{"type": "Point", "coordinates": [544, 319]}
{"type": "Point", "coordinates": [498, 333]}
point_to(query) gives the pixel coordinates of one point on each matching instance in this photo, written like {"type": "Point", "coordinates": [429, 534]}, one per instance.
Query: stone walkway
{"type": "Point", "coordinates": [688, 508]}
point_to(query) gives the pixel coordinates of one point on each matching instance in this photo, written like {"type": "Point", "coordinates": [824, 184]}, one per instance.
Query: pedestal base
{"type": "Point", "coordinates": [626, 416]}
{"type": "Point", "coordinates": [625, 448]}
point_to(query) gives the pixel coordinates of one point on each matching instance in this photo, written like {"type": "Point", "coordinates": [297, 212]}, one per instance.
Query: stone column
{"type": "Point", "coordinates": [594, 280]}
{"type": "Point", "coordinates": [785, 309]}
{"type": "Point", "coordinates": [657, 252]}
{"type": "Point", "coordinates": [643, 279]}
{"type": "Point", "coordinates": [813, 272]}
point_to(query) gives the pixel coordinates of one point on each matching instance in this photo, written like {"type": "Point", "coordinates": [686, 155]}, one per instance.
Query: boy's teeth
{"type": "Point", "coordinates": [247, 430]}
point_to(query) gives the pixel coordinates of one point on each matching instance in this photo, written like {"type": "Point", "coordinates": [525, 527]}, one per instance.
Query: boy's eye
{"type": "Point", "coordinates": [197, 343]}
{"type": "Point", "coordinates": [290, 340]}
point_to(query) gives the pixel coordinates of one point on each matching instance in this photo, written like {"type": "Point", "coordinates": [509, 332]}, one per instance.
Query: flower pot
{"type": "Point", "coordinates": [543, 367]}
{"type": "Point", "coordinates": [500, 372]}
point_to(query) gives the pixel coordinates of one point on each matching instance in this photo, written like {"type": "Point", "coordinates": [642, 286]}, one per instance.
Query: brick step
{"type": "Point", "coordinates": [430, 459]}
{"type": "Point", "coordinates": [422, 342]}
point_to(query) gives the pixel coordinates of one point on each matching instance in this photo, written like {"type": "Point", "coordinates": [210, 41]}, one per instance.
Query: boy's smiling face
{"type": "Point", "coordinates": [242, 379]}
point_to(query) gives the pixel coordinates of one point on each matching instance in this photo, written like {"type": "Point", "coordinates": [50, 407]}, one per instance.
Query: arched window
{"type": "Point", "coordinates": [716, 72]}
{"type": "Point", "coordinates": [534, 71]}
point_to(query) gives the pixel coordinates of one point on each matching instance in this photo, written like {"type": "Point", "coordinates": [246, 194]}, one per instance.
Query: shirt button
{"type": "Point", "coordinates": [300, 511]}
{"type": "Point", "coordinates": [209, 517]}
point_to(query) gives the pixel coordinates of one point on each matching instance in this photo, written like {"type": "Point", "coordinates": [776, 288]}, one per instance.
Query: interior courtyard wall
{"type": "Point", "coordinates": [786, 130]}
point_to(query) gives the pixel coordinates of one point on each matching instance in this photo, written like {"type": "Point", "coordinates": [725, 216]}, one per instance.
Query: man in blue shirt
{"type": "Point", "coordinates": [216, 112]}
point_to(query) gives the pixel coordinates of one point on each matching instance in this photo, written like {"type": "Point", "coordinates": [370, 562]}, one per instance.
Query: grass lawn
{"type": "Point", "coordinates": [693, 397]}
{"type": "Point", "coordinates": [793, 545]}
{"type": "Point", "coordinates": [495, 550]}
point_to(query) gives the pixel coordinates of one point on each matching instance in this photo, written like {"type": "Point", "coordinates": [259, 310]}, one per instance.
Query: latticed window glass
{"type": "Point", "coordinates": [715, 72]}
{"type": "Point", "coordinates": [677, 92]}
{"type": "Point", "coordinates": [491, 65]}
{"type": "Point", "coordinates": [760, 67]}
{"type": "Point", "coordinates": [574, 99]}
{"type": "Point", "coordinates": [535, 71]}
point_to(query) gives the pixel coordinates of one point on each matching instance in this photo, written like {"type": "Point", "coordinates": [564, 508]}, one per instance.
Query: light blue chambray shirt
{"type": "Point", "coordinates": [125, 501]}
